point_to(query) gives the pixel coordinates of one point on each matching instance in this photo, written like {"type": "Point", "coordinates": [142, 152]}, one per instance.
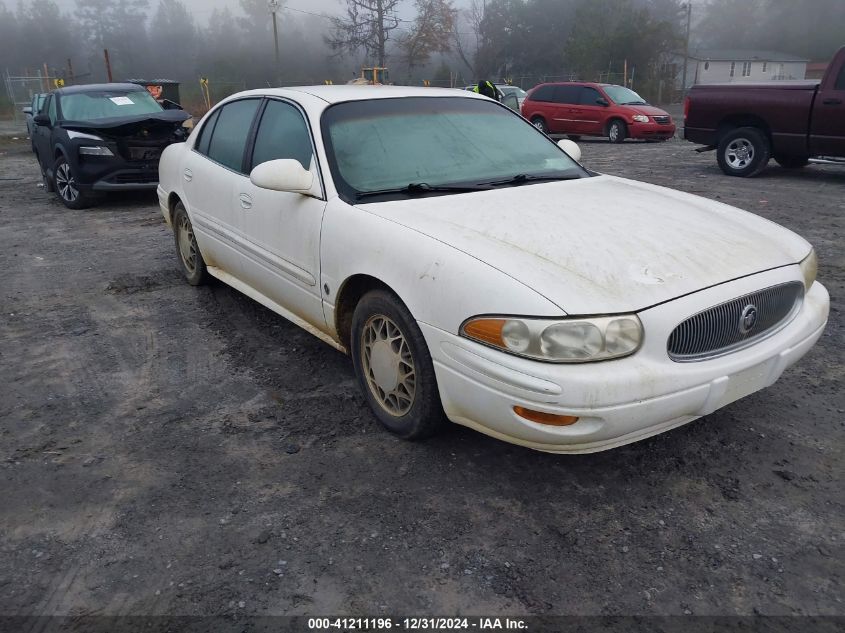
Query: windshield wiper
{"type": "Point", "coordinates": [419, 188]}
{"type": "Point", "coordinates": [521, 178]}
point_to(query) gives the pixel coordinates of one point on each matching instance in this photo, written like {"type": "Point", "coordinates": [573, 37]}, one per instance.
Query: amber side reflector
{"type": "Point", "coordinates": [486, 330]}
{"type": "Point", "coordinates": [539, 417]}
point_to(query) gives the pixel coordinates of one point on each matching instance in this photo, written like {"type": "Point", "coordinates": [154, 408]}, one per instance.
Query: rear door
{"type": "Point", "coordinates": [827, 128]}
{"type": "Point", "coordinates": [210, 173]}
{"type": "Point", "coordinates": [565, 109]}
{"type": "Point", "coordinates": [281, 230]}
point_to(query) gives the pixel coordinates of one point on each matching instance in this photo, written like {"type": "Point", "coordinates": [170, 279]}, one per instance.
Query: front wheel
{"type": "Point", "coordinates": [190, 258]}
{"type": "Point", "coordinates": [540, 124]}
{"type": "Point", "coordinates": [394, 367]}
{"type": "Point", "coordinates": [66, 186]}
{"type": "Point", "coordinates": [617, 132]}
{"type": "Point", "coordinates": [743, 152]}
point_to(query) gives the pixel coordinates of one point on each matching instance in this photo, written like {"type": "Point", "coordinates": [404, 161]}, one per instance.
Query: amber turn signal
{"type": "Point", "coordinates": [486, 330]}
{"type": "Point", "coordinates": [539, 417]}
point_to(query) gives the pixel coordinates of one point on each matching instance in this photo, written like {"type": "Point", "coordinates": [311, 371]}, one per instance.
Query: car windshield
{"type": "Point", "coordinates": [106, 104]}
{"type": "Point", "coordinates": [623, 96]}
{"type": "Point", "coordinates": [386, 144]}
{"type": "Point", "coordinates": [519, 92]}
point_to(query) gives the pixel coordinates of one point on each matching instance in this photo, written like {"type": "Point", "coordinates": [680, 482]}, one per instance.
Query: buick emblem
{"type": "Point", "coordinates": [748, 318]}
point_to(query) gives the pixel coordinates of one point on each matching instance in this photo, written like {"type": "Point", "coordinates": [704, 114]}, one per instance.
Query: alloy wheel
{"type": "Point", "coordinates": [66, 183]}
{"type": "Point", "coordinates": [740, 153]}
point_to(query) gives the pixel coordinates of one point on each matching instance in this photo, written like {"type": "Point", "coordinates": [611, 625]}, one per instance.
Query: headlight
{"type": "Point", "coordinates": [640, 118]}
{"type": "Point", "coordinates": [576, 340]}
{"type": "Point", "coordinates": [809, 267]}
{"type": "Point", "coordinates": [99, 150]}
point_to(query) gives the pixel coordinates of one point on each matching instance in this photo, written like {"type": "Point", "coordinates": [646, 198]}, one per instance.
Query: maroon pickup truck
{"type": "Point", "coordinates": [790, 121]}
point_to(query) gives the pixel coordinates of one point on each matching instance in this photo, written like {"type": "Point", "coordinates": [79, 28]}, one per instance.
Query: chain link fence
{"type": "Point", "coordinates": [21, 88]}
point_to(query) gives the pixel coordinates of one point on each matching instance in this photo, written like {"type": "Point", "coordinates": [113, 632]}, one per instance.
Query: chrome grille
{"type": "Point", "coordinates": [662, 120]}
{"type": "Point", "coordinates": [729, 326]}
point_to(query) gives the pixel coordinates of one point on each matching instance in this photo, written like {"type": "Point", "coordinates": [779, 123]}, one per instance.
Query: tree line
{"type": "Point", "coordinates": [443, 40]}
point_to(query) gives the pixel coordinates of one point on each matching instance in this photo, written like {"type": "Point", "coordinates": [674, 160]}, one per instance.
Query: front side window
{"type": "Point", "coordinates": [385, 144]}
{"type": "Point", "coordinates": [229, 137]}
{"type": "Point", "coordinates": [107, 104]}
{"type": "Point", "coordinates": [589, 96]}
{"type": "Point", "coordinates": [51, 109]}
{"type": "Point", "coordinates": [282, 133]}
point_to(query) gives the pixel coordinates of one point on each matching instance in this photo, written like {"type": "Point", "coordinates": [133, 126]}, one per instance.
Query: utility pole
{"type": "Point", "coordinates": [688, 7]}
{"type": "Point", "coordinates": [274, 7]}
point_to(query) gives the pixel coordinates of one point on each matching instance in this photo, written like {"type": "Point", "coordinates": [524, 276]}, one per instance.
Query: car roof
{"type": "Point", "coordinates": [70, 90]}
{"type": "Point", "coordinates": [337, 94]}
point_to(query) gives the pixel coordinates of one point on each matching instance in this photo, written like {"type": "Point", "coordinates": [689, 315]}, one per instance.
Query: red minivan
{"type": "Point", "coordinates": [589, 109]}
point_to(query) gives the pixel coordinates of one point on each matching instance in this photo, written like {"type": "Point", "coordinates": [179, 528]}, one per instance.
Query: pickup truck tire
{"type": "Point", "coordinates": [792, 162]}
{"type": "Point", "coordinates": [743, 152]}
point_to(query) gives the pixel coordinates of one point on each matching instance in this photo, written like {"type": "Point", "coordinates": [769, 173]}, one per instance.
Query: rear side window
{"type": "Point", "coordinates": [543, 93]}
{"type": "Point", "coordinates": [206, 132]}
{"type": "Point", "coordinates": [567, 94]}
{"type": "Point", "coordinates": [282, 133]}
{"type": "Point", "coordinates": [589, 96]}
{"type": "Point", "coordinates": [229, 137]}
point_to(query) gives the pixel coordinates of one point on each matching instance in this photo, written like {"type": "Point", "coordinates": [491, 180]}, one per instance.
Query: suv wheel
{"type": "Point", "coordinates": [540, 124]}
{"type": "Point", "coordinates": [617, 132]}
{"type": "Point", "coordinates": [66, 186]}
{"type": "Point", "coordinates": [743, 152]}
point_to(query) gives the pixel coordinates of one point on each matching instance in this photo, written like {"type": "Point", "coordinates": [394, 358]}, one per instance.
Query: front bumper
{"type": "Point", "coordinates": [651, 130]}
{"type": "Point", "coordinates": [625, 400]}
{"type": "Point", "coordinates": [115, 174]}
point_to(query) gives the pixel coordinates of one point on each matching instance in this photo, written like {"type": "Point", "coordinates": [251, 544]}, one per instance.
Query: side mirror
{"type": "Point", "coordinates": [571, 148]}
{"type": "Point", "coordinates": [284, 174]}
{"type": "Point", "coordinates": [167, 104]}
{"type": "Point", "coordinates": [41, 119]}
{"type": "Point", "coordinates": [602, 102]}
{"type": "Point", "coordinates": [27, 110]}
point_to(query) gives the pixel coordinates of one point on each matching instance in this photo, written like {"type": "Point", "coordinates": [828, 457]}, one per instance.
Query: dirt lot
{"type": "Point", "coordinates": [173, 450]}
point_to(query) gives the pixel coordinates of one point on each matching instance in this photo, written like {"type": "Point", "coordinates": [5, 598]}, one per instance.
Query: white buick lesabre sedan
{"type": "Point", "coordinates": [472, 267]}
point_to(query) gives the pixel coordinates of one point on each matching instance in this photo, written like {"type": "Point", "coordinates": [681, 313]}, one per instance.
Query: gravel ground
{"type": "Point", "coordinates": [176, 450]}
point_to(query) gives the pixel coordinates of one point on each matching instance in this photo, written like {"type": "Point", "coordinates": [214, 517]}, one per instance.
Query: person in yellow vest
{"type": "Point", "coordinates": [487, 89]}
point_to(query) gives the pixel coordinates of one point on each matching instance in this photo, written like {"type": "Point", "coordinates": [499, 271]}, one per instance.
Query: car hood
{"type": "Point", "coordinates": [647, 110]}
{"type": "Point", "coordinates": [601, 245]}
{"type": "Point", "coordinates": [129, 125]}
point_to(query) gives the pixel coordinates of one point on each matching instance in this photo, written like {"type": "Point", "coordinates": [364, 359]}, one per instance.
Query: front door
{"type": "Point", "coordinates": [827, 132]}
{"type": "Point", "coordinates": [42, 136]}
{"type": "Point", "coordinates": [281, 230]}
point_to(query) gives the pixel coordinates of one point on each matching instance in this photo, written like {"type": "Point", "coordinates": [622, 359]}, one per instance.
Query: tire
{"type": "Point", "coordinates": [743, 152]}
{"type": "Point", "coordinates": [389, 352]}
{"type": "Point", "coordinates": [540, 124]}
{"type": "Point", "coordinates": [187, 251]}
{"type": "Point", "coordinates": [792, 162]}
{"type": "Point", "coordinates": [66, 187]}
{"type": "Point", "coordinates": [617, 131]}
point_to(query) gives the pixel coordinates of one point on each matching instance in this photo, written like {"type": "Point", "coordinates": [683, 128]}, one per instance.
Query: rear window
{"type": "Point", "coordinates": [107, 104]}
{"type": "Point", "coordinates": [229, 137]}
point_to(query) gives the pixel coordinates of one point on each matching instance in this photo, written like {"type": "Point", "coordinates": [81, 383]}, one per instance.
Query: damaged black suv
{"type": "Point", "coordinates": [103, 137]}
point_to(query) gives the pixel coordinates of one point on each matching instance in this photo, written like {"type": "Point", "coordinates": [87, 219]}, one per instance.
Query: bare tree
{"type": "Point", "coordinates": [367, 25]}
{"type": "Point", "coordinates": [431, 32]}
{"type": "Point", "coordinates": [474, 15]}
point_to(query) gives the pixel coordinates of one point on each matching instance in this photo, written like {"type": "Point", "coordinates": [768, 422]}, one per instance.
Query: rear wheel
{"type": "Point", "coordinates": [617, 131]}
{"type": "Point", "coordinates": [66, 186]}
{"type": "Point", "coordinates": [743, 152]}
{"type": "Point", "coordinates": [792, 162]}
{"type": "Point", "coordinates": [394, 367]}
{"type": "Point", "coordinates": [190, 258]}
{"type": "Point", "coordinates": [540, 124]}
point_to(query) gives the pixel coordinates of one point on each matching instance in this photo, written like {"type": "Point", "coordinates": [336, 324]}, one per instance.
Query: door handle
{"type": "Point", "coordinates": [832, 102]}
{"type": "Point", "coordinates": [188, 175]}
{"type": "Point", "coordinates": [246, 201]}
